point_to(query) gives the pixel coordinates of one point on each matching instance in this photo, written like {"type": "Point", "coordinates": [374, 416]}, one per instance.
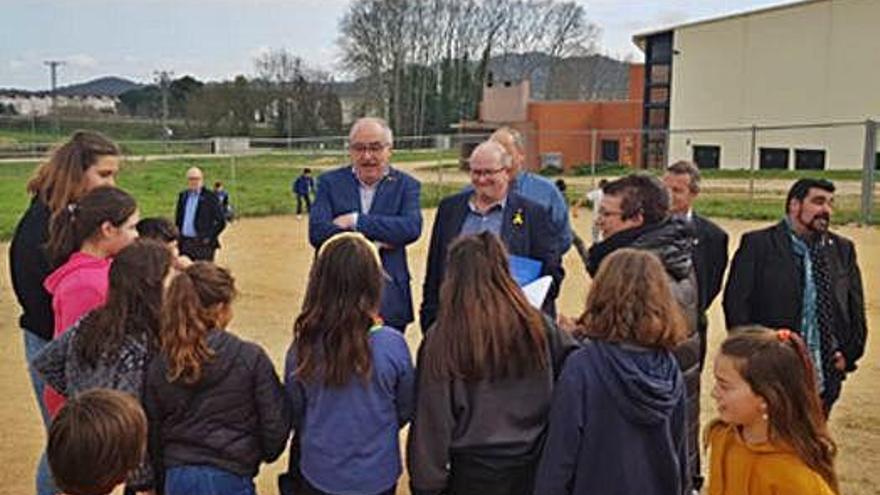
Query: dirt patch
{"type": "Point", "coordinates": [270, 258]}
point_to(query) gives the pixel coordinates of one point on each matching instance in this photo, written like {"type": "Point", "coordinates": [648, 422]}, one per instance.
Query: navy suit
{"type": "Point", "coordinates": [533, 238]}
{"type": "Point", "coordinates": [394, 219]}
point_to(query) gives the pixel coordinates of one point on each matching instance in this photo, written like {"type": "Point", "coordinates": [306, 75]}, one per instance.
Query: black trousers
{"type": "Point", "coordinates": [299, 201]}
{"type": "Point", "coordinates": [472, 475]}
{"type": "Point", "coordinates": [198, 249]}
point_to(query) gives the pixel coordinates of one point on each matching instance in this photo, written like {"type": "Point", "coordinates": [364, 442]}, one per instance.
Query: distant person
{"type": "Point", "coordinates": [372, 197]}
{"type": "Point", "coordinates": [486, 377]}
{"type": "Point", "coordinates": [97, 438]}
{"type": "Point", "coordinates": [593, 199]}
{"type": "Point", "coordinates": [303, 187]}
{"type": "Point", "coordinates": [162, 230]}
{"type": "Point", "coordinates": [619, 407]}
{"type": "Point", "coordinates": [534, 187]}
{"type": "Point", "coordinates": [111, 346]}
{"type": "Point", "coordinates": [799, 275]}
{"type": "Point", "coordinates": [83, 240]}
{"type": "Point", "coordinates": [85, 161]}
{"type": "Point", "coordinates": [350, 378]}
{"type": "Point", "coordinates": [223, 196]}
{"type": "Point", "coordinates": [490, 206]}
{"type": "Point", "coordinates": [682, 180]}
{"type": "Point", "coordinates": [770, 436]}
{"type": "Point", "coordinates": [200, 218]}
{"type": "Point", "coordinates": [216, 407]}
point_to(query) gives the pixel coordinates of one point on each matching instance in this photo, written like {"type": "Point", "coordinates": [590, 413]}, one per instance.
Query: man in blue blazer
{"type": "Point", "coordinates": [371, 197]}
{"type": "Point", "coordinates": [524, 226]}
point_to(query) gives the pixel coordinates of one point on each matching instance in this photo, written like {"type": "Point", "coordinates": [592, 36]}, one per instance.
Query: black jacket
{"type": "Point", "coordinates": [766, 284]}
{"type": "Point", "coordinates": [710, 259]}
{"type": "Point", "coordinates": [531, 237]}
{"type": "Point", "coordinates": [234, 418]}
{"type": "Point", "coordinates": [210, 217]}
{"type": "Point", "coordinates": [29, 266]}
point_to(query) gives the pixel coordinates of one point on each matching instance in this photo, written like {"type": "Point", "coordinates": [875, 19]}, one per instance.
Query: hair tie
{"type": "Point", "coordinates": [71, 209]}
{"type": "Point", "coordinates": [784, 335]}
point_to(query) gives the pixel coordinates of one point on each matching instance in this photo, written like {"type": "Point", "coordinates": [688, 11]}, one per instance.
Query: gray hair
{"type": "Point", "coordinates": [389, 134]}
{"type": "Point", "coordinates": [504, 157]}
{"type": "Point", "coordinates": [684, 167]}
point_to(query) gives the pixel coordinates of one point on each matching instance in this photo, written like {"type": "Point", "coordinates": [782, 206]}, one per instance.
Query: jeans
{"type": "Point", "coordinates": [33, 343]}
{"type": "Point", "coordinates": [206, 480]}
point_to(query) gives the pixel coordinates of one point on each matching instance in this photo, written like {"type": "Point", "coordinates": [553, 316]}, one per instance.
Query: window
{"type": "Point", "coordinates": [659, 74]}
{"type": "Point", "coordinates": [656, 151]}
{"type": "Point", "coordinates": [773, 158]}
{"type": "Point", "coordinates": [657, 118]}
{"type": "Point", "coordinates": [658, 95]}
{"type": "Point", "coordinates": [660, 48]}
{"type": "Point", "coordinates": [610, 151]}
{"type": "Point", "coordinates": [809, 159]}
{"type": "Point", "coordinates": [706, 156]}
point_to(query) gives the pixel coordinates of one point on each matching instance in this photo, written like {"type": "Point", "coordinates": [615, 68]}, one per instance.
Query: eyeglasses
{"type": "Point", "coordinates": [486, 172]}
{"type": "Point", "coordinates": [373, 147]}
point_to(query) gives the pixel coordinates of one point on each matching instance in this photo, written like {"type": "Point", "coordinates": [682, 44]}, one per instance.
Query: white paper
{"type": "Point", "coordinates": [537, 291]}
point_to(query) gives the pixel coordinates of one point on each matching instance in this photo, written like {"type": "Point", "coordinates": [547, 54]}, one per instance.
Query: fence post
{"type": "Point", "coordinates": [868, 166]}
{"type": "Point", "coordinates": [752, 167]}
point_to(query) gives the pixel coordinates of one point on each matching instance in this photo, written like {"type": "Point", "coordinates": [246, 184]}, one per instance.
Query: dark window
{"type": "Point", "coordinates": [774, 158]}
{"type": "Point", "coordinates": [610, 151]}
{"type": "Point", "coordinates": [809, 159]}
{"type": "Point", "coordinates": [659, 74]}
{"type": "Point", "coordinates": [660, 48]}
{"type": "Point", "coordinates": [656, 151]}
{"type": "Point", "coordinates": [707, 156]}
{"type": "Point", "coordinates": [657, 118]}
{"type": "Point", "coordinates": [658, 95]}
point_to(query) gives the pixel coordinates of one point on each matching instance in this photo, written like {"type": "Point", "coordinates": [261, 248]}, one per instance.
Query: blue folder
{"type": "Point", "coordinates": [524, 270]}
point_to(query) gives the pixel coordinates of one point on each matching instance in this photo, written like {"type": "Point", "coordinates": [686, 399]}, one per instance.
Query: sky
{"type": "Point", "coordinates": [219, 39]}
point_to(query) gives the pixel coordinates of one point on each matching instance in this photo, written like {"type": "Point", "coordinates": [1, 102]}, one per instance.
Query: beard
{"type": "Point", "coordinates": [819, 223]}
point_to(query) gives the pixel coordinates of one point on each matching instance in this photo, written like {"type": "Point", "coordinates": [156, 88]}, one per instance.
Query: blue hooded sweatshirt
{"type": "Point", "coordinates": [617, 424]}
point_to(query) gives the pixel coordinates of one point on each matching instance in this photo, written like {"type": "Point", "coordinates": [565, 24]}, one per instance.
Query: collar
{"type": "Point", "coordinates": [386, 170]}
{"type": "Point", "coordinates": [500, 204]}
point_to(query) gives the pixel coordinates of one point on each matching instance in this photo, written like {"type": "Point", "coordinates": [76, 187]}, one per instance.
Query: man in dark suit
{"type": "Point", "coordinates": [371, 197]}
{"type": "Point", "coordinates": [799, 275]}
{"type": "Point", "coordinates": [682, 180]}
{"type": "Point", "coordinates": [199, 217]}
{"type": "Point", "coordinates": [523, 225]}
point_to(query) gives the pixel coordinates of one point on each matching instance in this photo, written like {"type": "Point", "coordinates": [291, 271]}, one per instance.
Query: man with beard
{"type": "Point", "coordinates": [798, 275]}
{"type": "Point", "coordinates": [372, 197]}
{"type": "Point", "coordinates": [634, 213]}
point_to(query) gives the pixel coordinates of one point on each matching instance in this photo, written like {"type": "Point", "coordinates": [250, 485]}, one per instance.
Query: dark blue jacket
{"type": "Point", "coordinates": [617, 424]}
{"type": "Point", "coordinates": [395, 219]}
{"type": "Point", "coordinates": [532, 238]}
{"type": "Point", "coordinates": [303, 185]}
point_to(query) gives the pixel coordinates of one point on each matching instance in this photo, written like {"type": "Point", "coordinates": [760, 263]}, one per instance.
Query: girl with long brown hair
{"type": "Point", "coordinates": [771, 435]}
{"type": "Point", "coordinates": [617, 423]}
{"type": "Point", "coordinates": [350, 377]}
{"type": "Point", "coordinates": [486, 374]}
{"type": "Point", "coordinates": [215, 405]}
{"type": "Point", "coordinates": [85, 161]}
{"type": "Point", "coordinates": [111, 346]}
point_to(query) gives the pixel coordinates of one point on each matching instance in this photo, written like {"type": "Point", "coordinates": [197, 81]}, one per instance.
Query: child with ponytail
{"type": "Point", "coordinates": [215, 405]}
{"type": "Point", "coordinates": [83, 238]}
{"type": "Point", "coordinates": [771, 436]}
{"type": "Point", "coordinates": [350, 378]}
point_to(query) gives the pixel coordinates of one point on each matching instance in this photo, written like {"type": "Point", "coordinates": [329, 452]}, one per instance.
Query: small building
{"type": "Point", "coordinates": [792, 68]}
{"type": "Point", "coordinates": [40, 103]}
{"type": "Point", "coordinates": [567, 133]}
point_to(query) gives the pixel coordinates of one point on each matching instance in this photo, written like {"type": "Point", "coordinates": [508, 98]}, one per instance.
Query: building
{"type": "Point", "coordinates": [566, 133]}
{"type": "Point", "coordinates": [806, 63]}
{"type": "Point", "coordinates": [41, 103]}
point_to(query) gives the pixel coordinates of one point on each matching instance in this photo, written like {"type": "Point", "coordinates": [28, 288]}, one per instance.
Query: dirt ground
{"type": "Point", "coordinates": [270, 258]}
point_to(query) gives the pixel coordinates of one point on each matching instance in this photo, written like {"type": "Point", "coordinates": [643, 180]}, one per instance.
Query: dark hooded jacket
{"type": "Point", "coordinates": [617, 424]}
{"type": "Point", "coordinates": [235, 417]}
{"type": "Point", "coordinates": [672, 241]}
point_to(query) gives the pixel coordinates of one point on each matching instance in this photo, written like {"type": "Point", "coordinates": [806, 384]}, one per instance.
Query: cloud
{"type": "Point", "coordinates": [81, 61]}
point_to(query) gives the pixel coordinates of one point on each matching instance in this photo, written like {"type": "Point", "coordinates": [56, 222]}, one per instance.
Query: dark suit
{"type": "Point", "coordinates": [394, 219]}
{"type": "Point", "coordinates": [533, 238]}
{"type": "Point", "coordinates": [210, 220]}
{"type": "Point", "coordinates": [766, 285]}
{"type": "Point", "coordinates": [710, 261]}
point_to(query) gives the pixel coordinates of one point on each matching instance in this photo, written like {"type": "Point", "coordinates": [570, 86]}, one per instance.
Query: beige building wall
{"type": "Point", "coordinates": [813, 62]}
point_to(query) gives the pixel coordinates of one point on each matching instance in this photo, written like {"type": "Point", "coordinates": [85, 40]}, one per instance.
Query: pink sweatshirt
{"type": "Point", "coordinates": [77, 287]}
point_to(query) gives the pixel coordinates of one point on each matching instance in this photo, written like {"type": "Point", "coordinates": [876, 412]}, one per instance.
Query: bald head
{"type": "Point", "coordinates": [194, 178]}
{"type": "Point", "coordinates": [372, 125]}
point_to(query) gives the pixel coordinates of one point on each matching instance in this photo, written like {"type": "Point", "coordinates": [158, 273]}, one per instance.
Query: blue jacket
{"type": "Point", "coordinates": [303, 185]}
{"type": "Point", "coordinates": [395, 219]}
{"type": "Point", "coordinates": [617, 424]}
{"type": "Point", "coordinates": [533, 238]}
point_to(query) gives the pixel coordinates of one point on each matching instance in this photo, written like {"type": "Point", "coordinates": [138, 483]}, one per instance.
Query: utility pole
{"type": "Point", "coordinates": [164, 78]}
{"type": "Point", "coordinates": [53, 75]}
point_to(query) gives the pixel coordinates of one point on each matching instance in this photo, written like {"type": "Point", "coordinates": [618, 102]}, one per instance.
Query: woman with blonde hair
{"type": "Point", "coordinates": [617, 423]}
